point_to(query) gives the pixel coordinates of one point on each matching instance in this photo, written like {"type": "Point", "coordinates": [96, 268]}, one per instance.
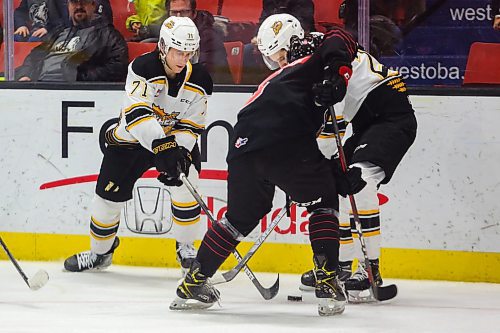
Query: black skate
{"type": "Point", "coordinates": [359, 282]}
{"type": "Point", "coordinates": [308, 280]}
{"type": "Point", "coordinates": [186, 253]}
{"type": "Point", "coordinates": [195, 291]}
{"type": "Point", "coordinates": [89, 260]}
{"type": "Point", "coordinates": [329, 290]}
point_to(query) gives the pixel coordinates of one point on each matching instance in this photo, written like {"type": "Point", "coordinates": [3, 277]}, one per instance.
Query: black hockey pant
{"type": "Point", "coordinates": [300, 170]}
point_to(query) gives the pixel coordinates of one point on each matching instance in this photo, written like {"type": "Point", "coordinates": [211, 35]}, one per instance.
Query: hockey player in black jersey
{"type": "Point", "coordinates": [275, 145]}
{"type": "Point", "coordinates": [384, 127]}
{"type": "Point", "coordinates": [163, 112]}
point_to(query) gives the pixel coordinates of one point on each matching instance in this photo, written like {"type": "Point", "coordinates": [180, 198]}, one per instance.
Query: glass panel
{"type": "Point", "coordinates": [435, 38]}
{"type": "Point", "coordinates": [427, 40]}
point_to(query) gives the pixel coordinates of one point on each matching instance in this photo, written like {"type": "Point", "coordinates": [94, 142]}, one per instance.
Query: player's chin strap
{"type": "Point", "coordinates": [267, 293]}
{"type": "Point", "coordinates": [378, 293]}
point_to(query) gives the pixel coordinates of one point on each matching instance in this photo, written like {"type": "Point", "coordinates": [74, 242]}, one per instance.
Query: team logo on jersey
{"type": "Point", "coordinates": [240, 142]}
{"type": "Point", "coordinates": [277, 27]}
{"type": "Point", "coordinates": [158, 110]}
{"type": "Point", "coordinates": [170, 24]}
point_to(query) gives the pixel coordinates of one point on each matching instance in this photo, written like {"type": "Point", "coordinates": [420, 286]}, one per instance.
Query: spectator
{"type": "Point", "coordinates": [149, 16]}
{"type": "Point", "coordinates": [385, 35]}
{"type": "Point", "coordinates": [91, 49]}
{"type": "Point", "coordinates": [212, 52]}
{"type": "Point", "coordinates": [33, 19]}
{"type": "Point", "coordinates": [254, 69]}
{"type": "Point", "coordinates": [495, 7]}
{"type": "Point", "coordinates": [104, 9]}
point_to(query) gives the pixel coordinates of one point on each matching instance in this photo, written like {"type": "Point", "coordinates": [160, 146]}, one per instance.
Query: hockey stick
{"type": "Point", "coordinates": [379, 293]}
{"type": "Point", "coordinates": [267, 293]}
{"type": "Point", "coordinates": [34, 283]}
{"type": "Point", "coordinates": [231, 274]}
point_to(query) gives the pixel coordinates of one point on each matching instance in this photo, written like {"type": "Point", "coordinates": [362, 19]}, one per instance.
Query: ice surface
{"type": "Point", "coordinates": [136, 299]}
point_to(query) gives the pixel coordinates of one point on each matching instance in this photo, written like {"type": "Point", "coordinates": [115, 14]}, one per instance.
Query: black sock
{"type": "Point", "coordinates": [324, 236]}
{"type": "Point", "coordinates": [216, 246]}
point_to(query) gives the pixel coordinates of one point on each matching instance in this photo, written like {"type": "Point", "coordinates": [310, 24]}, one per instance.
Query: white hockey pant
{"type": "Point", "coordinates": [369, 214]}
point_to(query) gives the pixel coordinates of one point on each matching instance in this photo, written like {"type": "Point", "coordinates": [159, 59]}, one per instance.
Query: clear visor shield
{"type": "Point", "coordinates": [270, 63]}
{"type": "Point", "coordinates": [195, 57]}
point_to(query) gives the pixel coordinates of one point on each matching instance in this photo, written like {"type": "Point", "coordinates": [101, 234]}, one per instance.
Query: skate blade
{"type": "Point", "coordinates": [188, 304]}
{"type": "Point", "coordinates": [360, 297]}
{"type": "Point", "coordinates": [303, 287]}
{"type": "Point", "coordinates": [330, 307]}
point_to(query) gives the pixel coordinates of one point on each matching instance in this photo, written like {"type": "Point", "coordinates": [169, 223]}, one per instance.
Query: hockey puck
{"type": "Point", "coordinates": [292, 298]}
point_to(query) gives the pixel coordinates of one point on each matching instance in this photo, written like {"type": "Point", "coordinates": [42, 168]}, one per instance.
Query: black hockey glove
{"type": "Point", "coordinates": [170, 160]}
{"type": "Point", "coordinates": [183, 166]}
{"type": "Point", "coordinates": [348, 183]}
{"type": "Point", "coordinates": [333, 88]}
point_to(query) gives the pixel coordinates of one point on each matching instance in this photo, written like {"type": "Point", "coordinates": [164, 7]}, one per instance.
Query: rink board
{"type": "Point", "coordinates": [440, 221]}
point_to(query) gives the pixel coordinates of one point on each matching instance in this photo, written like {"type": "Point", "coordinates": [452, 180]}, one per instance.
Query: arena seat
{"type": "Point", "coordinates": [120, 14]}
{"type": "Point", "coordinates": [21, 51]}
{"type": "Point", "coordinates": [16, 4]}
{"type": "Point", "coordinates": [483, 66]}
{"type": "Point", "coordinates": [234, 51]}
{"type": "Point", "coordinates": [242, 11]}
{"type": "Point", "coordinates": [137, 49]}
{"type": "Point", "coordinates": [208, 5]}
{"type": "Point", "coordinates": [327, 12]}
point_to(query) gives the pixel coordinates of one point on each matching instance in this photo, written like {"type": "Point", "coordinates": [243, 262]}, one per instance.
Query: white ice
{"type": "Point", "coordinates": [136, 299]}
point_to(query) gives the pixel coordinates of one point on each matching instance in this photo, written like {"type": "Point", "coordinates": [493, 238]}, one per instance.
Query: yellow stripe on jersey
{"type": "Point", "coordinates": [345, 242]}
{"type": "Point", "coordinates": [159, 81]}
{"type": "Point", "coordinates": [133, 106]}
{"type": "Point", "coordinates": [135, 123]}
{"type": "Point", "coordinates": [189, 122]}
{"type": "Point", "coordinates": [120, 139]}
{"type": "Point", "coordinates": [184, 131]}
{"type": "Point", "coordinates": [196, 90]}
{"type": "Point", "coordinates": [189, 70]}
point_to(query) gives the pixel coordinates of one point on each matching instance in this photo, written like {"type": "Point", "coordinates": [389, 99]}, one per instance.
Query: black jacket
{"type": "Point", "coordinates": [212, 52]}
{"type": "Point", "coordinates": [104, 57]}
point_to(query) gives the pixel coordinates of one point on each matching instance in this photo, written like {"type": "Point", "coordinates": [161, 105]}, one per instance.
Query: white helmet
{"type": "Point", "coordinates": [179, 33]}
{"type": "Point", "coordinates": [275, 34]}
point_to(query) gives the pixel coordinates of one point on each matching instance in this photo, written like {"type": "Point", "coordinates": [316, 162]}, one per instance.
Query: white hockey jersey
{"type": "Point", "coordinates": [367, 74]}
{"type": "Point", "coordinates": [155, 106]}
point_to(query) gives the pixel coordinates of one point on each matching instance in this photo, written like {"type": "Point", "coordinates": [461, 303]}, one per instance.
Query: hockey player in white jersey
{"type": "Point", "coordinates": [384, 127]}
{"type": "Point", "coordinates": [163, 113]}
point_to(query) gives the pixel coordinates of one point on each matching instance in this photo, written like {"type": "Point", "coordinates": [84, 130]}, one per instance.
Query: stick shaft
{"type": "Point", "coordinates": [14, 261]}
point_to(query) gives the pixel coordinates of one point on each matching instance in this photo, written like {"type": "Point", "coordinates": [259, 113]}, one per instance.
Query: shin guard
{"type": "Point", "coordinates": [219, 241]}
{"type": "Point", "coordinates": [324, 235]}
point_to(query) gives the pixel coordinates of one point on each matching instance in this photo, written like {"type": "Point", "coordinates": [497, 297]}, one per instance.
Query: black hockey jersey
{"type": "Point", "coordinates": [283, 106]}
